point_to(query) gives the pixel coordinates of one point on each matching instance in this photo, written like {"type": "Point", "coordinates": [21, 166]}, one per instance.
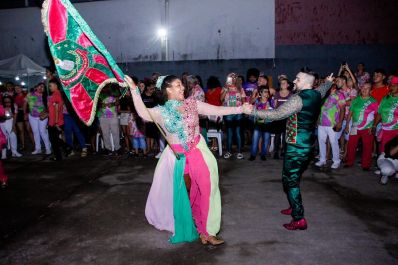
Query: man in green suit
{"type": "Point", "coordinates": [302, 111]}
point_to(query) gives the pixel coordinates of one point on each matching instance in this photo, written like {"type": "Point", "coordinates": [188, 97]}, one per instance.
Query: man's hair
{"type": "Point", "coordinates": [192, 79]}
{"type": "Point", "coordinates": [252, 72]}
{"type": "Point", "coordinates": [213, 82]}
{"type": "Point", "coordinates": [308, 78]}
{"type": "Point", "coordinates": [381, 71]}
{"type": "Point", "coordinates": [262, 88]}
{"type": "Point", "coordinates": [343, 77]}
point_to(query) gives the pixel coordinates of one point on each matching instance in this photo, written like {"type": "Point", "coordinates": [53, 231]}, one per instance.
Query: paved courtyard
{"type": "Point", "coordinates": [91, 211]}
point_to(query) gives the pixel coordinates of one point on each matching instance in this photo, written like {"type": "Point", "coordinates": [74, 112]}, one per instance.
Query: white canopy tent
{"type": "Point", "coordinates": [22, 67]}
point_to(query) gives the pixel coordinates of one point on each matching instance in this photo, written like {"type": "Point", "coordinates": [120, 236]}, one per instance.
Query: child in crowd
{"type": "Point", "coordinates": [261, 130]}
{"type": "Point", "coordinates": [137, 135]}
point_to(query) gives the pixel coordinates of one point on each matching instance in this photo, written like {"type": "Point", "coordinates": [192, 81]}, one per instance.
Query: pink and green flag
{"type": "Point", "coordinates": [83, 64]}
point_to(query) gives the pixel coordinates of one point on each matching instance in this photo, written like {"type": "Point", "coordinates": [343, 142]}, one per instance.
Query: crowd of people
{"type": "Point", "coordinates": [359, 106]}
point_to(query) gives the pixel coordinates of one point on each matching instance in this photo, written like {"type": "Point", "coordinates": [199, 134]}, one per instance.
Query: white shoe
{"type": "Point", "coordinates": [384, 180]}
{"type": "Point", "coordinates": [239, 156]}
{"type": "Point", "coordinates": [158, 155]}
{"type": "Point", "coordinates": [335, 165]}
{"type": "Point", "coordinates": [377, 172]}
{"type": "Point", "coordinates": [48, 152]}
{"type": "Point", "coordinates": [36, 152]}
{"type": "Point", "coordinates": [227, 155]}
{"type": "Point", "coordinates": [16, 154]}
{"type": "Point", "coordinates": [320, 163]}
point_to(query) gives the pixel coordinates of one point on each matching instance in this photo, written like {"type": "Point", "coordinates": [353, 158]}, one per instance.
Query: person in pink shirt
{"type": "Point", "coordinates": [232, 96]}
{"type": "Point", "coordinates": [361, 75]}
{"type": "Point", "coordinates": [330, 125]}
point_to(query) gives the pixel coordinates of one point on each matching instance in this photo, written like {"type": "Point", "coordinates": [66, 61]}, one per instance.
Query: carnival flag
{"type": "Point", "coordinates": [83, 64]}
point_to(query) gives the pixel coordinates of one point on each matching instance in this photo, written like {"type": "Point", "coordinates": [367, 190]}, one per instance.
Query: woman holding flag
{"type": "Point", "coordinates": [84, 67]}
{"type": "Point", "coordinates": [167, 206]}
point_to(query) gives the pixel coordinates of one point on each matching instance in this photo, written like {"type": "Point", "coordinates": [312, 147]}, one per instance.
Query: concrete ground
{"type": "Point", "coordinates": [91, 211]}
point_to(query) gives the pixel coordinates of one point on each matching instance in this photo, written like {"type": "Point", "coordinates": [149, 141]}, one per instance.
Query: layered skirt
{"type": "Point", "coordinates": [169, 207]}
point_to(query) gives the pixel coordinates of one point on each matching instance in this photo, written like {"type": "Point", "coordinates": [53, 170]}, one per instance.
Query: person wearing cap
{"type": "Point", "coordinates": [185, 164]}
{"type": "Point", "coordinates": [388, 115]}
{"type": "Point", "coordinates": [301, 111]}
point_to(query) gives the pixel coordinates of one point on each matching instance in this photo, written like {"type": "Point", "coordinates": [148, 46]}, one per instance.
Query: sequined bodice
{"type": "Point", "coordinates": [181, 120]}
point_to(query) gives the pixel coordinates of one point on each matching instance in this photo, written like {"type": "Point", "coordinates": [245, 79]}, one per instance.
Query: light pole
{"type": "Point", "coordinates": [162, 34]}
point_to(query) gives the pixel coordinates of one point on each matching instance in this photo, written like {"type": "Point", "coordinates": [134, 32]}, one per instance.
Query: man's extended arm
{"type": "Point", "coordinates": [293, 105]}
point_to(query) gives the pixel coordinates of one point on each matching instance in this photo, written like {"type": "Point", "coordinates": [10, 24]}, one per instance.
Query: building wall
{"type": "Point", "coordinates": [202, 30]}
{"type": "Point", "coordinates": [359, 22]}
{"type": "Point", "coordinates": [318, 34]}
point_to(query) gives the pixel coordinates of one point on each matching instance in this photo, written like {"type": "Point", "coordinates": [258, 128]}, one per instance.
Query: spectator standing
{"type": "Point", "coordinates": [279, 126]}
{"type": "Point", "coordinates": [3, 142]}
{"type": "Point", "coordinates": [108, 119]}
{"type": "Point", "coordinates": [330, 126]}
{"type": "Point", "coordinates": [8, 126]}
{"type": "Point", "coordinates": [349, 95]}
{"type": "Point", "coordinates": [55, 119]}
{"type": "Point", "coordinates": [21, 124]}
{"type": "Point", "coordinates": [38, 118]}
{"type": "Point", "coordinates": [213, 94]}
{"type": "Point", "coordinates": [213, 97]}
{"type": "Point", "coordinates": [71, 128]}
{"type": "Point", "coordinates": [250, 85]}
{"type": "Point", "coordinates": [388, 115]}
{"type": "Point", "coordinates": [379, 89]}
{"type": "Point", "coordinates": [151, 131]}
{"type": "Point", "coordinates": [233, 97]}
{"type": "Point", "coordinates": [362, 112]}
{"type": "Point", "coordinates": [361, 75]}
{"type": "Point", "coordinates": [261, 129]}
{"type": "Point", "coordinates": [125, 109]}
{"type": "Point", "coordinates": [136, 132]}
{"type": "Point", "coordinates": [194, 90]}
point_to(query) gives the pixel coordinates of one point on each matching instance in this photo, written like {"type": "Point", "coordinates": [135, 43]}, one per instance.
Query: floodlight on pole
{"type": "Point", "coordinates": [17, 78]}
{"type": "Point", "coordinates": [23, 83]}
{"type": "Point", "coordinates": [162, 33]}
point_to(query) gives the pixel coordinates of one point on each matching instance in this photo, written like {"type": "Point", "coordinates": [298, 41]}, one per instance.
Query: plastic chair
{"type": "Point", "coordinates": [213, 133]}
{"type": "Point", "coordinates": [271, 146]}
{"type": "Point", "coordinates": [99, 139]}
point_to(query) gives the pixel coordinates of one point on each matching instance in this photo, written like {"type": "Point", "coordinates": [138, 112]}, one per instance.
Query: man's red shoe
{"type": "Point", "coordinates": [295, 225]}
{"type": "Point", "coordinates": [287, 211]}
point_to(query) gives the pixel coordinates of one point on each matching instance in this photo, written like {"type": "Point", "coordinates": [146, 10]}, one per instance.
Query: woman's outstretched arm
{"type": "Point", "coordinates": [207, 109]}
{"type": "Point", "coordinates": [145, 113]}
